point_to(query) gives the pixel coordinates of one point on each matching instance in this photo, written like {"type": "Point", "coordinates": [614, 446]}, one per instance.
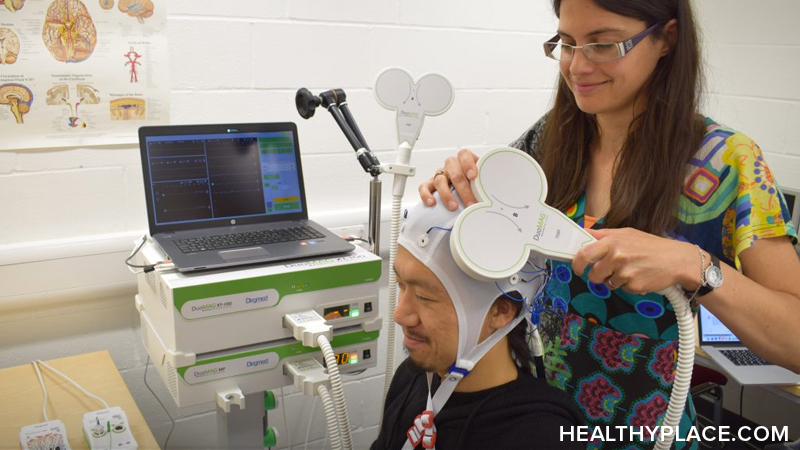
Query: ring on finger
{"type": "Point", "coordinates": [440, 172]}
{"type": "Point", "coordinates": [610, 283]}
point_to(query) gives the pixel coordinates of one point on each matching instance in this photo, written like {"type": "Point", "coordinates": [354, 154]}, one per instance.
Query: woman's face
{"type": "Point", "coordinates": [606, 88]}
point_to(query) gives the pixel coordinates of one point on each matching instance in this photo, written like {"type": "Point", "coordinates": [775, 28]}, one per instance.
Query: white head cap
{"type": "Point", "coordinates": [426, 235]}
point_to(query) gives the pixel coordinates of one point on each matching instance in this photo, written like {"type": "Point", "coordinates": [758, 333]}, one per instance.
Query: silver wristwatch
{"type": "Point", "coordinates": [712, 277]}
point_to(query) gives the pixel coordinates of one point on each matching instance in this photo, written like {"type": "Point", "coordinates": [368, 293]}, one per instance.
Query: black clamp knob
{"type": "Point", "coordinates": [306, 103]}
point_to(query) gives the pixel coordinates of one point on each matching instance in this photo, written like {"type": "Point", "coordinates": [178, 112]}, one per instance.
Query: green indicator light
{"type": "Point", "coordinates": [354, 313]}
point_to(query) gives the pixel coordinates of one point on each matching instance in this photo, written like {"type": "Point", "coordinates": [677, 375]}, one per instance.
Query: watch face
{"type": "Point", "coordinates": [714, 277]}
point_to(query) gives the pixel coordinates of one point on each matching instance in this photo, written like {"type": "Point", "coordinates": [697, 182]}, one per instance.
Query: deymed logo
{"type": "Point", "coordinates": [254, 300]}
{"type": "Point", "coordinates": [261, 362]}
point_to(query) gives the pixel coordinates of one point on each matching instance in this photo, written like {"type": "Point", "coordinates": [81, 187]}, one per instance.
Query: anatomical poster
{"type": "Point", "coordinates": [79, 73]}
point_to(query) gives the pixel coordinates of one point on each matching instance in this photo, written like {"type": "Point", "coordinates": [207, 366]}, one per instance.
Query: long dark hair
{"type": "Point", "coordinates": [661, 140]}
{"type": "Point", "coordinates": [518, 337]}
{"type": "Point", "coordinates": [518, 343]}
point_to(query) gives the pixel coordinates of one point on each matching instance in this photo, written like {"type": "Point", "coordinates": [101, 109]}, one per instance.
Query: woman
{"type": "Point", "coordinates": [671, 197]}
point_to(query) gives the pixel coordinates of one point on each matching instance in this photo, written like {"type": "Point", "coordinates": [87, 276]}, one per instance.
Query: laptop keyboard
{"type": "Point", "coordinates": [225, 241]}
{"type": "Point", "coordinates": [744, 358]}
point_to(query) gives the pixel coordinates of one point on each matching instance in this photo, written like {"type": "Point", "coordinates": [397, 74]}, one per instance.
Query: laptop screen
{"type": "Point", "coordinates": [201, 178]}
{"type": "Point", "coordinates": [712, 330]}
{"type": "Point", "coordinates": [793, 203]}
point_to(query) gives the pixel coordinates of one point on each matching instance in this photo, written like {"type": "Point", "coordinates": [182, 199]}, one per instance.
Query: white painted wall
{"type": "Point", "coordinates": [69, 215]}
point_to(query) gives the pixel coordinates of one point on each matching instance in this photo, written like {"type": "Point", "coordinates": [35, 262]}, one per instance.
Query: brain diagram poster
{"type": "Point", "coordinates": [78, 73]}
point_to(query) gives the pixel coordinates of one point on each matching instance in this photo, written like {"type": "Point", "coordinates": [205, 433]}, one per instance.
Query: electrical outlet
{"type": "Point", "coordinates": [108, 429]}
{"type": "Point", "coordinates": [356, 231]}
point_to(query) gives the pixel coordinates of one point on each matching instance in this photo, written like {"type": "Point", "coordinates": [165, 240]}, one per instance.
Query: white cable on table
{"type": "Point", "coordinates": [44, 391]}
{"type": "Point", "coordinates": [73, 383]}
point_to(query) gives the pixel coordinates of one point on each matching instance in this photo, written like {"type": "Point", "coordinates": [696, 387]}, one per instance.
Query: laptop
{"type": "Point", "coordinates": [736, 359]}
{"type": "Point", "coordinates": [229, 194]}
{"type": "Point", "coordinates": [792, 198]}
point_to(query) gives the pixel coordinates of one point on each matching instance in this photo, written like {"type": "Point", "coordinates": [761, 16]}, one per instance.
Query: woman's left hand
{"type": "Point", "coordinates": [638, 262]}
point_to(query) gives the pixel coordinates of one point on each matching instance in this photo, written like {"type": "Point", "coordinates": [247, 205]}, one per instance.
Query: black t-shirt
{"type": "Point", "coordinates": [526, 413]}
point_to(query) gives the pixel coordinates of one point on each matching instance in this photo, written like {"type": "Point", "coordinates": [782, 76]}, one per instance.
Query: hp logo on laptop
{"type": "Point", "coordinates": [233, 221]}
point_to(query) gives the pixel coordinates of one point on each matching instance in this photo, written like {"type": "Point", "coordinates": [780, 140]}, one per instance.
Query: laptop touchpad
{"type": "Point", "coordinates": [252, 252]}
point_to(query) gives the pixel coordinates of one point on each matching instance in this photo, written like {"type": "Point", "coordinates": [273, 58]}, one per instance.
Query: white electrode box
{"type": "Point", "coordinates": [208, 311]}
{"type": "Point", "coordinates": [193, 379]}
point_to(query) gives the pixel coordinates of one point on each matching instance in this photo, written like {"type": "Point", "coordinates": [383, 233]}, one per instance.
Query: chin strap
{"type": "Point", "coordinates": [423, 431]}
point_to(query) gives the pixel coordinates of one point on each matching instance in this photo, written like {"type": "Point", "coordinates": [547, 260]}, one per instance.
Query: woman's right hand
{"type": "Point", "coordinates": [458, 171]}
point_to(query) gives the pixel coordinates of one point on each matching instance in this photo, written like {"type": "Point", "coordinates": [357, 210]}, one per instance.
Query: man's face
{"type": "Point", "coordinates": [426, 313]}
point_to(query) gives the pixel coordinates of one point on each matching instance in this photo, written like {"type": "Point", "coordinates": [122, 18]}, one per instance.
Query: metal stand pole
{"type": "Point", "coordinates": [375, 215]}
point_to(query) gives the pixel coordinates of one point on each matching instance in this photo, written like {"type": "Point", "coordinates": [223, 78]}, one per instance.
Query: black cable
{"type": "Point", "coordinates": [139, 247]}
{"type": "Point", "coordinates": [351, 239]}
{"type": "Point", "coordinates": [172, 421]}
{"type": "Point", "coordinates": [741, 400]}
{"type": "Point", "coordinates": [146, 268]}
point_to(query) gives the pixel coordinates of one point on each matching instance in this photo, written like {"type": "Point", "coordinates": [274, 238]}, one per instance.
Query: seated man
{"type": "Point", "coordinates": [472, 335]}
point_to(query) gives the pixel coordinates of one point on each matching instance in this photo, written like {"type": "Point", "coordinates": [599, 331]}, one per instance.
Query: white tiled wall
{"type": "Point", "coordinates": [243, 62]}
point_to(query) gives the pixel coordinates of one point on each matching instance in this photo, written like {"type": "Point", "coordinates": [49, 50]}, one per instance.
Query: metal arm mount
{"type": "Point", "coordinates": [335, 101]}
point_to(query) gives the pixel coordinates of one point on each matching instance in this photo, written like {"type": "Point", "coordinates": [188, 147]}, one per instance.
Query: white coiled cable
{"type": "Point", "coordinates": [331, 417]}
{"type": "Point", "coordinates": [391, 328]}
{"type": "Point", "coordinates": [337, 391]}
{"type": "Point", "coordinates": [683, 371]}
{"type": "Point", "coordinates": [398, 188]}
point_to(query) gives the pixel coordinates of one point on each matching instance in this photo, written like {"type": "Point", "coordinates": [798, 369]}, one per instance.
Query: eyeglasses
{"type": "Point", "coordinates": [598, 52]}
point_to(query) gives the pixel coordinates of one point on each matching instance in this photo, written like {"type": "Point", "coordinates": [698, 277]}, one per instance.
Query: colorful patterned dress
{"type": "Point", "coordinates": [615, 353]}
